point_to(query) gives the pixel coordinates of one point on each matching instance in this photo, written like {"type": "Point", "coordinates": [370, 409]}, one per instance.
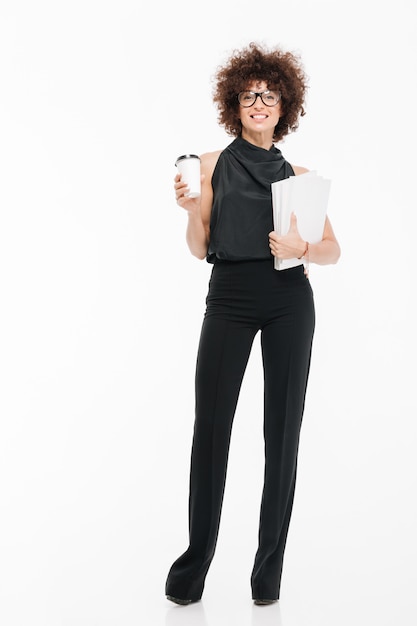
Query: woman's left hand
{"type": "Point", "coordinates": [289, 246]}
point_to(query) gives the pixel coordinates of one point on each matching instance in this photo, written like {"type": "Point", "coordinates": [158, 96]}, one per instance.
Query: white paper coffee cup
{"type": "Point", "coordinates": [189, 167]}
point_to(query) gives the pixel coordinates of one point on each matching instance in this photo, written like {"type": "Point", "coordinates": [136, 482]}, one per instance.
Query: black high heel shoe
{"type": "Point", "coordinates": [264, 602]}
{"type": "Point", "coordinates": [180, 600]}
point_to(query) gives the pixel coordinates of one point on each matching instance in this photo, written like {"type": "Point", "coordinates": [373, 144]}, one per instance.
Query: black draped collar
{"type": "Point", "coordinates": [264, 166]}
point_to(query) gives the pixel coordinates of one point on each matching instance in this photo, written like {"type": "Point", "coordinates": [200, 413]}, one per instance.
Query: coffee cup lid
{"type": "Point", "coordinates": [187, 156]}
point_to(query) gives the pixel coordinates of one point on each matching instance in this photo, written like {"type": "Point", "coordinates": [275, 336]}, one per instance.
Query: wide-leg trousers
{"type": "Point", "coordinates": [243, 298]}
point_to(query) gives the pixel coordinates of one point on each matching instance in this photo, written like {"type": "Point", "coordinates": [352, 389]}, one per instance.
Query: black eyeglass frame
{"type": "Point", "coordinates": [258, 94]}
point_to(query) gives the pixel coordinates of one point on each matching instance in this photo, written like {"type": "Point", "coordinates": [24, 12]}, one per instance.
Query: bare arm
{"type": "Point", "coordinates": [327, 251]}
{"type": "Point", "coordinates": [198, 209]}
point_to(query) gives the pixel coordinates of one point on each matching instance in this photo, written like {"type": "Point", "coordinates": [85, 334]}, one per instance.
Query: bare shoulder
{"type": "Point", "coordinates": [208, 162]}
{"type": "Point", "coordinates": [299, 170]}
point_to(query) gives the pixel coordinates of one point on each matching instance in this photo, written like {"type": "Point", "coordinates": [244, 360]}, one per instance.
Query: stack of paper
{"type": "Point", "coordinates": [307, 196]}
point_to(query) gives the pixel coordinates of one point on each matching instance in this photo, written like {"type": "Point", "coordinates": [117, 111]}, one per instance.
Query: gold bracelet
{"type": "Point", "coordinates": [306, 257]}
{"type": "Point", "coordinates": [305, 252]}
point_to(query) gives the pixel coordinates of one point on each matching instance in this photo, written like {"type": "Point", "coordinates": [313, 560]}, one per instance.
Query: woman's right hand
{"type": "Point", "coordinates": [198, 209]}
{"type": "Point", "coordinates": [189, 204]}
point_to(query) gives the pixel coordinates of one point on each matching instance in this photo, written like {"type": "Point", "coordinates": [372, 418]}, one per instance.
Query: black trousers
{"type": "Point", "coordinates": [244, 298]}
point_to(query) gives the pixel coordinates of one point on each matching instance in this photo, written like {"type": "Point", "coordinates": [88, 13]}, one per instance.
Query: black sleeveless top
{"type": "Point", "coordinates": [241, 216]}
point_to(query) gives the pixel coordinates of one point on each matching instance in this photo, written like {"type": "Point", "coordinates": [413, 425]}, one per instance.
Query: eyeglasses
{"type": "Point", "coordinates": [248, 98]}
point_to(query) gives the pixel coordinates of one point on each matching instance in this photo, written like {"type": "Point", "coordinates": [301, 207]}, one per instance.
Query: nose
{"type": "Point", "coordinates": [258, 103]}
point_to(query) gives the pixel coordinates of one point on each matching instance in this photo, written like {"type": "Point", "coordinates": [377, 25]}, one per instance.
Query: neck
{"type": "Point", "coordinates": [261, 140]}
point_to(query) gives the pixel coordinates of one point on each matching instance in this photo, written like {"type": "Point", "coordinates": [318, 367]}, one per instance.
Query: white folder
{"type": "Point", "coordinates": [306, 195]}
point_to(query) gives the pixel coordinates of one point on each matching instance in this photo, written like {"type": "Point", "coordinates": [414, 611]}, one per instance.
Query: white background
{"type": "Point", "coordinates": [101, 307]}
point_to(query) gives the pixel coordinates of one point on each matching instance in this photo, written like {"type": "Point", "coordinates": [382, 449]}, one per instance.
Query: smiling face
{"type": "Point", "coordinates": [259, 119]}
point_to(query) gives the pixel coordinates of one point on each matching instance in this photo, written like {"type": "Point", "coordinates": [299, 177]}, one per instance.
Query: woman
{"type": "Point", "coordinates": [260, 95]}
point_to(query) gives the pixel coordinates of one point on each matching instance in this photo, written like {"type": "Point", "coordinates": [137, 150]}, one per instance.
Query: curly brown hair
{"type": "Point", "coordinates": [279, 69]}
